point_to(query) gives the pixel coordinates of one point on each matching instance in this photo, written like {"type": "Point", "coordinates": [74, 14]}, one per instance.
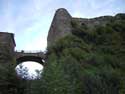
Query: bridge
{"type": "Point", "coordinates": [22, 56]}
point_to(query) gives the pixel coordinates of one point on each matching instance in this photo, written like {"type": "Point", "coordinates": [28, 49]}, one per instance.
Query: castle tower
{"type": "Point", "coordinates": [7, 45]}
{"type": "Point", "coordinates": [60, 27]}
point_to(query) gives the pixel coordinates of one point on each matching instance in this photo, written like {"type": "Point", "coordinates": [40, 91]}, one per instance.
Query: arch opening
{"type": "Point", "coordinates": [29, 70]}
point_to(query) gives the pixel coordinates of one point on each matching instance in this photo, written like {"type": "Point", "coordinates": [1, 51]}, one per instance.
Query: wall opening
{"type": "Point", "coordinates": [29, 70]}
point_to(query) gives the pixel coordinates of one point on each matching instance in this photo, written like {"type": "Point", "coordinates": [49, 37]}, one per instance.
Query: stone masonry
{"type": "Point", "coordinates": [62, 24]}
{"type": "Point", "coordinates": [7, 45]}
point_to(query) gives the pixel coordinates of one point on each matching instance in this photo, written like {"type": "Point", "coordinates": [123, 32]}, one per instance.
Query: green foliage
{"type": "Point", "coordinates": [86, 62]}
{"type": "Point", "coordinates": [9, 82]}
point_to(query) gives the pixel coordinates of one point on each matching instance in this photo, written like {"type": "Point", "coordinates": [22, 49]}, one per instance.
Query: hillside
{"type": "Point", "coordinates": [88, 60]}
{"type": "Point", "coordinates": [84, 56]}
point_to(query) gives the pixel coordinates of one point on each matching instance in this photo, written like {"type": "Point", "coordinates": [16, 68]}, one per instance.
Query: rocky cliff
{"type": "Point", "coordinates": [61, 26]}
{"type": "Point", "coordinates": [63, 22]}
{"type": "Point", "coordinates": [7, 45]}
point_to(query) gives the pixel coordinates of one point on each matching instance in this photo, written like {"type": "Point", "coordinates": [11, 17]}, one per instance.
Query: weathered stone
{"type": "Point", "coordinates": [24, 56]}
{"type": "Point", "coordinates": [7, 45]}
{"type": "Point", "coordinates": [61, 24]}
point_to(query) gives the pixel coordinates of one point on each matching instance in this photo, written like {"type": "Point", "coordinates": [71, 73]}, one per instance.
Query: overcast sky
{"type": "Point", "coordinates": [30, 19]}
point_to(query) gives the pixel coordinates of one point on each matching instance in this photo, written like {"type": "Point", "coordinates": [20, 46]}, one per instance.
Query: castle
{"type": "Point", "coordinates": [60, 27]}
{"type": "Point", "coordinates": [62, 24]}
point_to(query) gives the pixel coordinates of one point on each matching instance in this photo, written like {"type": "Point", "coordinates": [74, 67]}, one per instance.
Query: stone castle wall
{"type": "Point", "coordinates": [62, 24]}
{"type": "Point", "coordinates": [7, 45]}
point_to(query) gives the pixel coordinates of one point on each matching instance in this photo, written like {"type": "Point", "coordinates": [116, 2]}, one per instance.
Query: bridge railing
{"type": "Point", "coordinates": [30, 51]}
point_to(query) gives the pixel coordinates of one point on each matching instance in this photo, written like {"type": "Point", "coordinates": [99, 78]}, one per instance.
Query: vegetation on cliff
{"type": "Point", "coordinates": [86, 62]}
{"type": "Point", "coordinates": [10, 83]}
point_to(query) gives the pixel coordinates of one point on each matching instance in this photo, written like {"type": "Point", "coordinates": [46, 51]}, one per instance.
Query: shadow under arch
{"type": "Point", "coordinates": [30, 58]}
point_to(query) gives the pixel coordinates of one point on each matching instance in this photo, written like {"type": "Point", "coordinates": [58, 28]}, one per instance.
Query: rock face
{"type": "Point", "coordinates": [62, 24]}
{"type": "Point", "coordinates": [7, 45]}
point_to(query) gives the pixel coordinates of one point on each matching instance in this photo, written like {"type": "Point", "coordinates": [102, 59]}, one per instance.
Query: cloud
{"type": "Point", "coordinates": [94, 8]}
{"type": "Point", "coordinates": [30, 19]}
{"type": "Point", "coordinates": [24, 19]}
{"type": "Point", "coordinates": [38, 44]}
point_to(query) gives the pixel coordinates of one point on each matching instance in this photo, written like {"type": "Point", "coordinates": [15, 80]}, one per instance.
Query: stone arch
{"type": "Point", "coordinates": [30, 58]}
